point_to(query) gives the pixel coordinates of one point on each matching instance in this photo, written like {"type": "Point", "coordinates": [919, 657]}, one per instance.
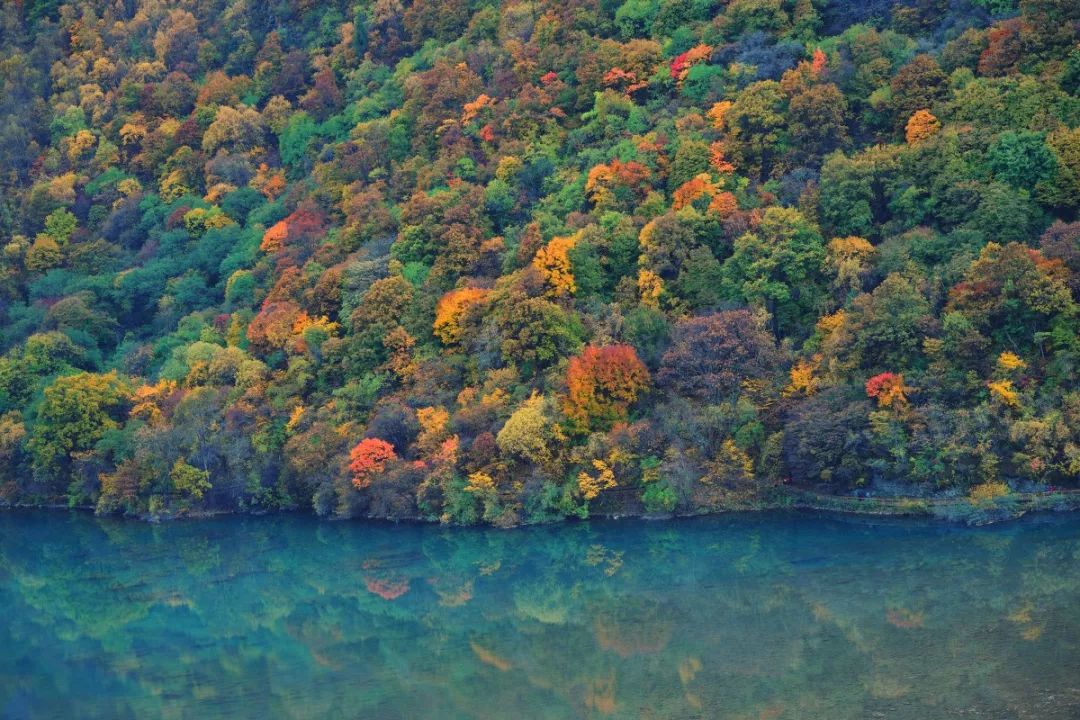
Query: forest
{"type": "Point", "coordinates": [509, 262]}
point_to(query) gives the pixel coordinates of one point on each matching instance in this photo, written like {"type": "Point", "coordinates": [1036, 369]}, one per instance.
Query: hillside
{"type": "Point", "coordinates": [473, 261]}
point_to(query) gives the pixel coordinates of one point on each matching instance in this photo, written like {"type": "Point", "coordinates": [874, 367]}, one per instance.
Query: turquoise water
{"type": "Point", "coordinates": [750, 617]}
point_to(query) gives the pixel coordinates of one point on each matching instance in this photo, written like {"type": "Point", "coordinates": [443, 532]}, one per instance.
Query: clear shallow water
{"type": "Point", "coordinates": [749, 617]}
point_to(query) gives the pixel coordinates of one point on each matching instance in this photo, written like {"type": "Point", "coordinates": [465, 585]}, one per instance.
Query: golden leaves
{"type": "Point", "coordinates": [553, 262]}
{"type": "Point", "coordinates": [717, 113]}
{"type": "Point", "coordinates": [591, 486]}
{"type": "Point", "coordinates": [1004, 391]}
{"type": "Point", "coordinates": [1008, 362]}
{"type": "Point", "coordinates": [921, 125]}
{"type": "Point", "coordinates": [802, 378]}
{"type": "Point", "coordinates": [451, 310]}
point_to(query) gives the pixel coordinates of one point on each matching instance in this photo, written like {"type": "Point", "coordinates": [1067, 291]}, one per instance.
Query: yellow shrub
{"type": "Point", "coordinates": [988, 491]}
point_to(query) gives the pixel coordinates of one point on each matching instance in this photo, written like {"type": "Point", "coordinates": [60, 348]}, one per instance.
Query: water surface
{"type": "Point", "coordinates": [750, 617]}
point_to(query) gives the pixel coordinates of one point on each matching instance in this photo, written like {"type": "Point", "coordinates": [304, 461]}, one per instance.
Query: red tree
{"type": "Point", "coordinates": [369, 457]}
{"type": "Point", "coordinates": [293, 239]}
{"type": "Point", "coordinates": [888, 389]}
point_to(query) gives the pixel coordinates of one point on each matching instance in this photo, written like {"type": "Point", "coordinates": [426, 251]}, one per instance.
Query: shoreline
{"type": "Point", "coordinates": [961, 510]}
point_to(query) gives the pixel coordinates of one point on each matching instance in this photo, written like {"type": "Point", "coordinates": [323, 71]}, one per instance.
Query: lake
{"type": "Point", "coordinates": [768, 616]}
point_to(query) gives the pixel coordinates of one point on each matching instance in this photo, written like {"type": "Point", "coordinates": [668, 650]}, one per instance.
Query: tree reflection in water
{"type": "Point", "coordinates": [762, 616]}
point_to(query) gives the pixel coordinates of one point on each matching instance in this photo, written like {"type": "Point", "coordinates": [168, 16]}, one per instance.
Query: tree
{"type": "Point", "coordinates": [1012, 293]}
{"type": "Point", "coordinates": [917, 86]}
{"type": "Point", "coordinates": [275, 327]}
{"type": "Point", "coordinates": [294, 140]}
{"type": "Point", "coordinates": [755, 123]}
{"type": "Point", "coordinates": [778, 266]}
{"type": "Point", "coordinates": [235, 129]}
{"type": "Point", "coordinates": [849, 260]}
{"type": "Point", "coordinates": [369, 458]}
{"type": "Point", "coordinates": [602, 383]}
{"type": "Point", "coordinates": [817, 119]}
{"type": "Point", "coordinates": [452, 311]}
{"type": "Point", "coordinates": [700, 186]}
{"type": "Point", "coordinates": [888, 389]}
{"type": "Point", "coordinates": [293, 238]}
{"type": "Point", "coordinates": [324, 97]}
{"type": "Point", "coordinates": [76, 411]}
{"type": "Point", "coordinates": [883, 329]}
{"type": "Point", "coordinates": [1061, 241]}
{"type": "Point", "coordinates": [825, 439]}
{"type": "Point", "coordinates": [1021, 159]}
{"type": "Point", "coordinates": [553, 262]}
{"type": "Point", "coordinates": [533, 332]}
{"type": "Point", "coordinates": [43, 254]}
{"type": "Point", "coordinates": [683, 62]}
{"type": "Point", "coordinates": [634, 18]}
{"type": "Point", "coordinates": [190, 482]}
{"type": "Point", "coordinates": [710, 356]}
{"type": "Point", "coordinates": [590, 486]}
{"type": "Point", "coordinates": [920, 126]}
{"type": "Point", "coordinates": [529, 433]}
{"type": "Point", "coordinates": [853, 198]}
{"type": "Point", "coordinates": [12, 435]}
{"type": "Point", "coordinates": [1003, 50]}
{"type": "Point", "coordinates": [120, 488]}
{"type": "Point", "coordinates": [691, 160]}
{"type": "Point", "coordinates": [59, 225]}
{"type": "Point", "coordinates": [617, 185]}
{"type": "Point", "coordinates": [176, 41]}
{"type": "Point", "coordinates": [666, 242]}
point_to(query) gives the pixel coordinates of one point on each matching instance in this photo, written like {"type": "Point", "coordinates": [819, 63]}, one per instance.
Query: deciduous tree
{"type": "Point", "coordinates": [602, 383]}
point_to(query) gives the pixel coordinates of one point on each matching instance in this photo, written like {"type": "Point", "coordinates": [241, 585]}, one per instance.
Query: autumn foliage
{"type": "Point", "coordinates": [602, 383]}
{"type": "Point", "coordinates": [427, 259]}
{"type": "Point", "coordinates": [368, 459]}
{"type": "Point", "coordinates": [451, 310]}
{"type": "Point", "coordinates": [616, 182]}
{"type": "Point", "coordinates": [694, 188]}
{"type": "Point", "coordinates": [553, 262]}
{"type": "Point", "coordinates": [920, 126]}
{"type": "Point", "coordinates": [888, 389]}
{"type": "Point", "coordinates": [681, 64]}
{"type": "Point", "coordinates": [294, 236]}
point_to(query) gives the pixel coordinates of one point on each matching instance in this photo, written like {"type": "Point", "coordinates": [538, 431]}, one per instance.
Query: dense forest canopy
{"type": "Point", "coordinates": [507, 262]}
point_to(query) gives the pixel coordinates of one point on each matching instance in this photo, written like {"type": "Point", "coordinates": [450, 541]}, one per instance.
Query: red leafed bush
{"type": "Point", "coordinates": [887, 388]}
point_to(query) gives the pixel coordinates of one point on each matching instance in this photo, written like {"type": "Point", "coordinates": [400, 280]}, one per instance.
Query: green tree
{"type": "Point", "coordinates": [634, 18]}
{"type": "Point", "coordinates": [190, 482]}
{"type": "Point", "coordinates": [884, 330]}
{"type": "Point", "coordinates": [818, 122]}
{"type": "Point", "coordinates": [59, 225]}
{"type": "Point", "coordinates": [1021, 159]}
{"type": "Point", "coordinates": [755, 123]}
{"type": "Point", "coordinates": [779, 267]}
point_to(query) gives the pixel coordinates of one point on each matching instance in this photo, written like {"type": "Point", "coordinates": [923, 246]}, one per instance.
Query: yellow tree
{"type": "Point", "coordinates": [553, 262]}
{"type": "Point", "coordinates": [452, 311]}
{"type": "Point", "coordinates": [921, 125]}
{"type": "Point", "coordinates": [530, 433]}
{"type": "Point", "coordinates": [848, 258]}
